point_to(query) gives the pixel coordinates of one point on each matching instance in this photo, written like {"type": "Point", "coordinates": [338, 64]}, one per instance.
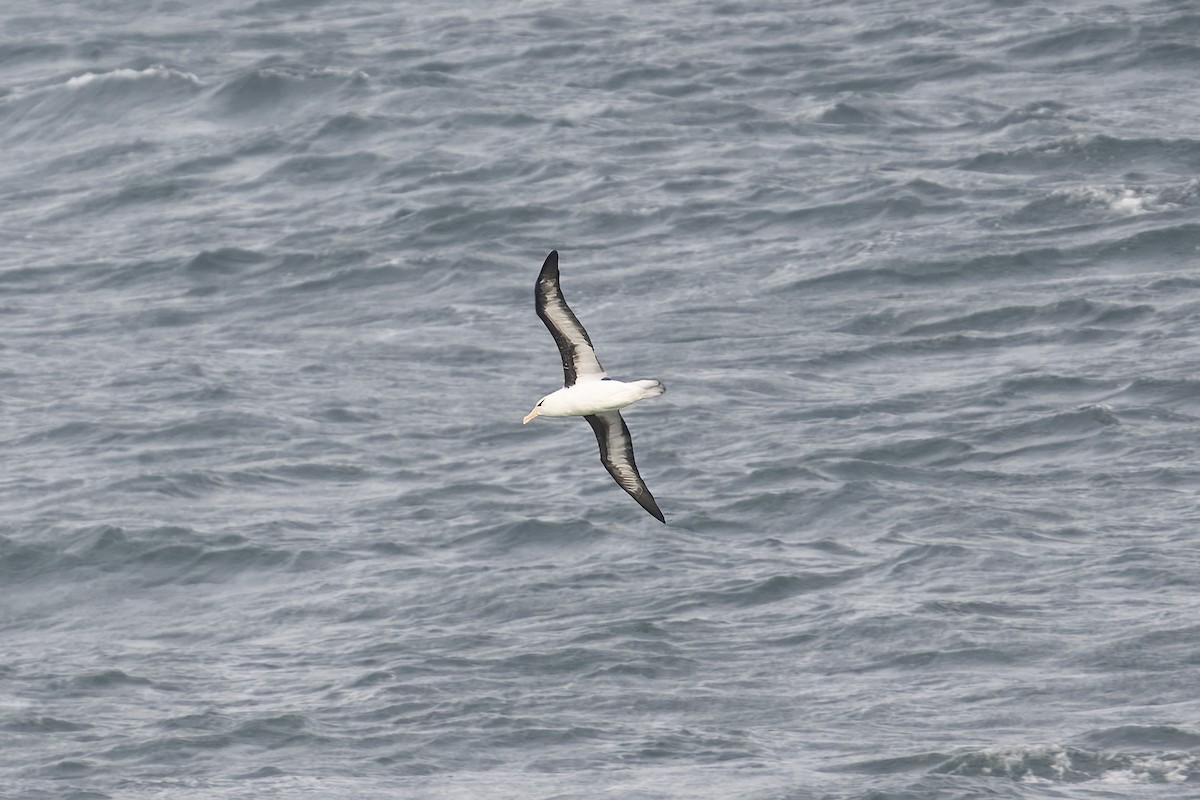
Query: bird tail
{"type": "Point", "coordinates": [651, 388]}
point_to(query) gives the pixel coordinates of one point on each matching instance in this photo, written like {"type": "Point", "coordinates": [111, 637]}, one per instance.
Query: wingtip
{"type": "Point", "coordinates": [652, 508]}
{"type": "Point", "coordinates": [549, 267]}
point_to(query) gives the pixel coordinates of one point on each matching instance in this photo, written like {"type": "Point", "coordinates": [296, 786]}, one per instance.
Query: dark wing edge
{"type": "Point", "coordinates": [574, 344]}
{"type": "Point", "coordinates": [616, 453]}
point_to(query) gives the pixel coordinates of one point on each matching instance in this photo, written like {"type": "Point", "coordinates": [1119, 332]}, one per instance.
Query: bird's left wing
{"type": "Point", "coordinates": [616, 453]}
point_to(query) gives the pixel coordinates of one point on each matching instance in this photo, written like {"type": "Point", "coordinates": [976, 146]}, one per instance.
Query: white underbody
{"type": "Point", "coordinates": [595, 395]}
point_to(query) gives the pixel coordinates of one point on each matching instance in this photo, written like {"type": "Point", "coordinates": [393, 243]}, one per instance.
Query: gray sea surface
{"type": "Point", "coordinates": [922, 280]}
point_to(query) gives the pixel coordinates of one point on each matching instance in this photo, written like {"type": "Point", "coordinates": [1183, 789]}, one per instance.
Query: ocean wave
{"type": "Point", "coordinates": [259, 91]}
{"type": "Point", "coordinates": [1058, 763]}
{"type": "Point", "coordinates": [84, 103]}
{"type": "Point", "coordinates": [1100, 153]}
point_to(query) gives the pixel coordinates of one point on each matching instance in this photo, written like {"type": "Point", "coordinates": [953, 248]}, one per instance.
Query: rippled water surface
{"type": "Point", "coordinates": [924, 285]}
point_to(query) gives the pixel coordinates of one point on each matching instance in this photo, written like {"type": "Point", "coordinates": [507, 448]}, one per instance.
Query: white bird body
{"type": "Point", "coordinates": [594, 396]}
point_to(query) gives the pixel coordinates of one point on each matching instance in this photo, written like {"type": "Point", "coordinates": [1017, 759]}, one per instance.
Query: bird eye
{"type": "Point", "coordinates": [539, 405]}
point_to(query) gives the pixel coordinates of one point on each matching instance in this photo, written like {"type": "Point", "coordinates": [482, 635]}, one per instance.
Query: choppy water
{"type": "Point", "coordinates": [923, 283]}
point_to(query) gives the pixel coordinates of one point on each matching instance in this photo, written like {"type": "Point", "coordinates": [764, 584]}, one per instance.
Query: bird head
{"type": "Point", "coordinates": [535, 413]}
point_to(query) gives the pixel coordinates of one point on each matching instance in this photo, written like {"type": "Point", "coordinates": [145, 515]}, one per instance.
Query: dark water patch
{"type": "Point", "coordinates": [1078, 44]}
{"type": "Point", "coordinates": [311, 169]}
{"type": "Point", "coordinates": [21, 51]}
{"type": "Point", "coordinates": [636, 76]}
{"type": "Point", "coordinates": [897, 765]}
{"type": "Point", "coordinates": [225, 261]}
{"type": "Point", "coordinates": [929, 189]}
{"type": "Point", "coordinates": [525, 733]}
{"type": "Point", "coordinates": [1063, 313]}
{"type": "Point", "coordinates": [498, 119]}
{"type": "Point", "coordinates": [191, 485]}
{"type": "Point", "coordinates": [70, 769]}
{"type": "Point", "coordinates": [748, 593]}
{"type": "Point", "coordinates": [428, 79]}
{"type": "Point", "coordinates": [698, 746]}
{"type": "Point", "coordinates": [129, 274]}
{"type": "Point", "coordinates": [847, 503]}
{"type": "Point", "coordinates": [273, 733]}
{"type": "Point", "coordinates": [920, 559]}
{"type": "Point", "coordinates": [1165, 56]}
{"type": "Point", "coordinates": [347, 415]}
{"type": "Point", "coordinates": [75, 432]}
{"type": "Point", "coordinates": [1160, 650]}
{"type": "Point", "coordinates": [777, 477]}
{"type": "Point", "coordinates": [259, 774]}
{"type": "Point", "coordinates": [1176, 393]}
{"type": "Point", "coordinates": [207, 722]}
{"type": "Point", "coordinates": [556, 50]}
{"type": "Point", "coordinates": [210, 394]}
{"type": "Point", "coordinates": [882, 205]}
{"type": "Point", "coordinates": [1099, 154]}
{"type": "Point", "coordinates": [352, 124]}
{"type": "Point", "coordinates": [1161, 248]}
{"type": "Point", "coordinates": [218, 565]}
{"type": "Point", "coordinates": [168, 318]}
{"type": "Point", "coordinates": [712, 112]}
{"type": "Point", "coordinates": [106, 679]}
{"type": "Point", "coordinates": [446, 223]}
{"type": "Point", "coordinates": [944, 66]}
{"type": "Point", "coordinates": [202, 165]}
{"type": "Point", "coordinates": [904, 31]}
{"type": "Point", "coordinates": [1143, 739]}
{"type": "Point", "coordinates": [105, 156]}
{"type": "Point", "coordinates": [1038, 111]}
{"type": "Point", "coordinates": [640, 630]}
{"type": "Point", "coordinates": [320, 472]}
{"type": "Point", "coordinates": [21, 561]}
{"type": "Point", "coordinates": [928, 452]}
{"type": "Point", "coordinates": [846, 114]}
{"type": "Point", "coordinates": [985, 269]}
{"type": "Point", "coordinates": [346, 278]}
{"type": "Point", "coordinates": [980, 608]}
{"type": "Point", "coordinates": [951, 346]}
{"type": "Point", "coordinates": [209, 426]}
{"type": "Point", "coordinates": [900, 404]}
{"type": "Point", "coordinates": [535, 534]}
{"type": "Point", "coordinates": [153, 556]}
{"type": "Point", "coordinates": [309, 263]}
{"type": "Point", "coordinates": [43, 724]}
{"type": "Point", "coordinates": [259, 91]}
{"type": "Point", "coordinates": [950, 658]}
{"type": "Point", "coordinates": [769, 503]}
{"type": "Point", "coordinates": [1087, 420]}
{"type": "Point", "coordinates": [141, 191]}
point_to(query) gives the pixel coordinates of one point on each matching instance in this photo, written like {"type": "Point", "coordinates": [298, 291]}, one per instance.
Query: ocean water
{"type": "Point", "coordinates": [923, 281]}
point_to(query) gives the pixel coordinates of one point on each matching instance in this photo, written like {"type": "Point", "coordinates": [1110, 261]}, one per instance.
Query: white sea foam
{"type": "Point", "coordinates": [155, 72]}
{"type": "Point", "coordinates": [1151, 769]}
{"type": "Point", "coordinates": [1132, 200]}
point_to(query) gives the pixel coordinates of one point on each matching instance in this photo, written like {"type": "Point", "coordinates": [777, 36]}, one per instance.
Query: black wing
{"type": "Point", "coordinates": [578, 356]}
{"type": "Point", "coordinates": [616, 453]}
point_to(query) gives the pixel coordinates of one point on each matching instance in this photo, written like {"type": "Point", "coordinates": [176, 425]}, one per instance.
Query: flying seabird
{"type": "Point", "coordinates": [587, 390]}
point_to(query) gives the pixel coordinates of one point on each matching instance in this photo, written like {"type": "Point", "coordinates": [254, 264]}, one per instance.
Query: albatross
{"type": "Point", "coordinates": [587, 390]}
